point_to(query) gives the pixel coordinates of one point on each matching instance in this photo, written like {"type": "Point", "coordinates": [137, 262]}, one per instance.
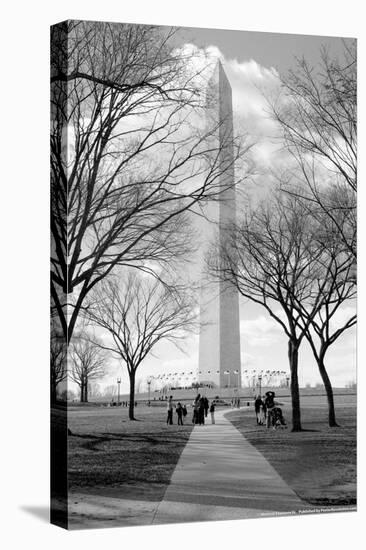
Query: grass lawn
{"type": "Point", "coordinates": [319, 464]}
{"type": "Point", "coordinates": [112, 456]}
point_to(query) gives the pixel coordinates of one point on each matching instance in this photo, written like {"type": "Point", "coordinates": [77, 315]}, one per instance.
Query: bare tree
{"type": "Point", "coordinates": [129, 155]}
{"type": "Point", "coordinates": [270, 257]}
{"type": "Point", "coordinates": [87, 364]}
{"type": "Point", "coordinates": [317, 112]}
{"type": "Point", "coordinates": [58, 362]}
{"type": "Point", "coordinates": [138, 313]}
{"type": "Point", "coordinates": [336, 268]}
{"type": "Point", "coordinates": [282, 255]}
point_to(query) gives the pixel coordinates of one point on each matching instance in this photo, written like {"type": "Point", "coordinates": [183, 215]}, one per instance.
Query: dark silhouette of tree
{"type": "Point", "coordinates": [336, 268]}
{"type": "Point", "coordinates": [87, 363]}
{"type": "Point", "coordinates": [139, 312]}
{"type": "Point", "coordinates": [317, 112]}
{"type": "Point", "coordinates": [130, 155]}
{"type": "Point", "coordinates": [270, 257]}
{"type": "Point", "coordinates": [58, 361]}
{"type": "Point", "coordinates": [281, 257]}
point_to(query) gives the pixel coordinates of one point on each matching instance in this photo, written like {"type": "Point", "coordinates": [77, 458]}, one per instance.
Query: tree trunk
{"type": "Point", "coordinates": [329, 391]}
{"type": "Point", "coordinates": [53, 391]}
{"type": "Point", "coordinates": [86, 390]}
{"type": "Point", "coordinates": [293, 356]}
{"type": "Point", "coordinates": [82, 392]}
{"type": "Point", "coordinates": [132, 395]}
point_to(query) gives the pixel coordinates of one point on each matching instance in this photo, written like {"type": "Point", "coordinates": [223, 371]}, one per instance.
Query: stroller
{"type": "Point", "coordinates": [274, 413]}
{"type": "Point", "coordinates": [278, 420]}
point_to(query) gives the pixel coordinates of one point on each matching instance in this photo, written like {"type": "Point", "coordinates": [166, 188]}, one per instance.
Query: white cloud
{"type": "Point", "coordinates": [262, 331]}
{"type": "Point", "coordinates": [252, 84]}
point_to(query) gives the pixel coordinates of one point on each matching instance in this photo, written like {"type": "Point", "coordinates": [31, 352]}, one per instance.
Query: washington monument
{"type": "Point", "coordinates": [219, 339]}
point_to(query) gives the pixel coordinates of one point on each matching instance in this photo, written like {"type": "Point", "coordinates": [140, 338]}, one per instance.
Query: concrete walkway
{"type": "Point", "coordinates": [220, 475]}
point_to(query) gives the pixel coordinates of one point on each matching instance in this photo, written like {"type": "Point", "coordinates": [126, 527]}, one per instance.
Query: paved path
{"type": "Point", "coordinates": [220, 475]}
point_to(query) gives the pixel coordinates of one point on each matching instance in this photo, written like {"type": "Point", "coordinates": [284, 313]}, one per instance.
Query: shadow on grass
{"type": "Point", "coordinates": [92, 441]}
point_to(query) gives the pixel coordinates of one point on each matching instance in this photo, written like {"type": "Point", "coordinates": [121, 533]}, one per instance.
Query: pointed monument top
{"type": "Point", "coordinates": [219, 85]}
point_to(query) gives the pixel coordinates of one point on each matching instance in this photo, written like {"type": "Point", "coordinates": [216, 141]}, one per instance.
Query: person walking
{"type": "Point", "coordinates": [258, 407]}
{"type": "Point", "coordinates": [270, 405]}
{"type": "Point", "coordinates": [206, 405]}
{"type": "Point", "coordinates": [179, 411]}
{"type": "Point", "coordinates": [170, 407]}
{"type": "Point", "coordinates": [196, 407]}
{"type": "Point", "coordinates": [212, 411]}
{"type": "Point", "coordinates": [201, 411]}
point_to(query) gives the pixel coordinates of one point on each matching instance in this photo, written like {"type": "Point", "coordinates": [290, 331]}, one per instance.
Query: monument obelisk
{"type": "Point", "coordinates": [219, 338]}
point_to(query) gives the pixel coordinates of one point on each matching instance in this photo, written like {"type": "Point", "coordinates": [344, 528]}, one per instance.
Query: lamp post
{"type": "Point", "coordinates": [288, 380]}
{"type": "Point", "coordinates": [260, 383]}
{"type": "Point", "coordinates": [118, 394]}
{"type": "Point", "coordinates": [148, 385]}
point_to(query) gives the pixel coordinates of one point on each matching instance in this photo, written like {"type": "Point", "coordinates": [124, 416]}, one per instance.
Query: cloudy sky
{"type": "Point", "coordinates": [253, 62]}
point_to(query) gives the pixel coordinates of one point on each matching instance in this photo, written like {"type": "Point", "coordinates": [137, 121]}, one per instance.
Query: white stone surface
{"type": "Point", "coordinates": [219, 345]}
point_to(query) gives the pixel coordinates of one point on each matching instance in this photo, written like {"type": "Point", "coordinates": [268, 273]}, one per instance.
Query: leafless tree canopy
{"type": "Point", "coordinates": [270, 258]}
{"type": "Point", "coordinates": [58, 362]}
{"type": "Point", "coordinates": [137, 313]}
{"type": "Point", "coordinates": [317, 111]}
{"type": "Point", "coordinates": [282, 258]}
{"type": "Point", "coordinates": [129, 155]}
{"type": "Point", "coordinates": [336, 269]}
{"type": "Point", "coordinates": [87, 364]}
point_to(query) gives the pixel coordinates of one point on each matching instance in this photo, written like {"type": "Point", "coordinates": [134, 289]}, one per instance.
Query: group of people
{"type": "Point", "coordinates": [180, 409]}
{"type": "Point", "coordinates": [113, 403]}
{"type": "Point", "coordinates": [267, 412]}
{"type": "Point", "coordinates": [201, 407]}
